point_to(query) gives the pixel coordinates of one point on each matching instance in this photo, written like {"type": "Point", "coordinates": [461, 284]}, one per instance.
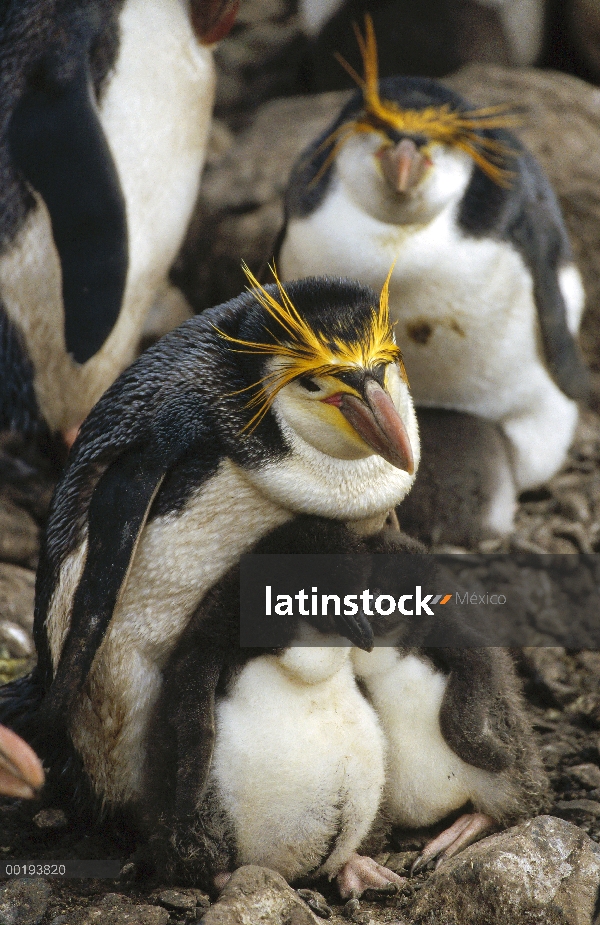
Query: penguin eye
{"type": "Point", "coordinates": [308, 384]}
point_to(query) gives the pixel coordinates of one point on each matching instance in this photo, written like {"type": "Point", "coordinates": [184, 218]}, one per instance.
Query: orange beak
{"type": "Point", "coordinates": [403, 165]}
{"type": "Point", "coordinates": [378, 423]}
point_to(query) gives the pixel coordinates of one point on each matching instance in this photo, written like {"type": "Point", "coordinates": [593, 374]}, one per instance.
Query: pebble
{"type": "Point", "coordinates": [586, 774]}
{"type": "Point", "coordinates": [256, 895]}
{"type": "Point", "coordinates": [50, 819]}
{"type": "Point", "coordinates": [24, 901]}
{"type": "Point", "coordinates": [177, 901]}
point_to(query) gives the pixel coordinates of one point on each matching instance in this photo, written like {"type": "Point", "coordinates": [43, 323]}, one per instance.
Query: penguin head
{"type": "Point", "coordinates": [405, 148]}
{"type": "Point", "coordinates": [324, 371]}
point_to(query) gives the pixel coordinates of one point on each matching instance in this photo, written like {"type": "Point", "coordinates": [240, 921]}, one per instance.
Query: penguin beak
{"type": "Point", "coordinates": [357, 629]}
{"type": "Point", "coordinates": [403, 165]}
{"type": "Point", "coordinates": [21, 773]}
{"type": "Point", "coordinates": [377, 421]}
{"type": "Point", "coordinates": [212, 19]}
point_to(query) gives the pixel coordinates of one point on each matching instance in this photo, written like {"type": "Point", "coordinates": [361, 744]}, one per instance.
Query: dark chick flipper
{"type": "Point", "coordinates": [187, 835]}
{"type": "Point", "coordinates": [476, 719]}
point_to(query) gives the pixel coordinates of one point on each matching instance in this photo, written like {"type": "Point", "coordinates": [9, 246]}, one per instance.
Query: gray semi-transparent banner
{"type": "Point", "coordinates": [516, 599]}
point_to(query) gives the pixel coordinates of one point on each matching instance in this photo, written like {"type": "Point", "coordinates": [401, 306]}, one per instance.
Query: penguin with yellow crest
{"type": "Point", "coordinates": [485, 293]}
{"type": "Point", "coordinates": [284, 401]}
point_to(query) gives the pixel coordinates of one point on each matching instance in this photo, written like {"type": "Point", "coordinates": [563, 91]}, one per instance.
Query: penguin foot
{"type": "Point", "coordinates": [361, 873]}
{"type": "Point", "coordinates": [21, 773]}
{"type": "Point", "coordinates": [467, 829]}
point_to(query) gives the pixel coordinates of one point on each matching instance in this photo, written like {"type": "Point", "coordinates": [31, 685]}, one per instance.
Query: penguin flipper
{"type": "Point", "coordinates": [58, 143]}
{"type": "Point", "coordinates": [475, 718]}
{"type": "Point", "coordinates": [539, 234]}
{"type": "Point", "coordinates": [118, 511]}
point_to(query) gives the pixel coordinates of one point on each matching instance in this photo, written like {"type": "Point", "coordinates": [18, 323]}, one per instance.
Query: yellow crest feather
{"type": "Point", "coordinates": [439, 123]}
{"type": "Point", "coordinates": [304, 352]}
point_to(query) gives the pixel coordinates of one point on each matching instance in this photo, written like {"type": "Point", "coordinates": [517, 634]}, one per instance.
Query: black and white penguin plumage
{"type": "Point", "coordinates": [266, 756]}
{"type": "Point", "coordinates": [484, 291]}
{"type": "Point", "coordinates": [280, 402]}
{"type": "Point", "coordinates": [104, 118]}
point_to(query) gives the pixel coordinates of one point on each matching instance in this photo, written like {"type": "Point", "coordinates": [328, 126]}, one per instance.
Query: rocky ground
{"type": "Point", "coordinates": [547, 871]}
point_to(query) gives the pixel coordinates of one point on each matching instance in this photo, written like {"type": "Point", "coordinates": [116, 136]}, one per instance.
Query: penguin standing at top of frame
{"type": "Point", "coordinates": [485, 294]}
{"type": "Point", "coordinates": [280, 402]}
{"type": "Point", "coordinates": [105, 112]}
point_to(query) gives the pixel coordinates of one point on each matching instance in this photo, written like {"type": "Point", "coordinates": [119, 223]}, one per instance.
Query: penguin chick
{"type": "Point", "coordinates": [484, 291]}
{"type": "Point", "coordinates": [457, 734]}
{"type": "Point", "coordinates": [105, 114]}
{"type": "Point", "coordinates": [280, 402]}
{"type": "Point", "coordinates": [21, 773]}
{"type": "Point", "coordinates": [464, 492]}
{"type": "Point", "coordinates": [269, 757]}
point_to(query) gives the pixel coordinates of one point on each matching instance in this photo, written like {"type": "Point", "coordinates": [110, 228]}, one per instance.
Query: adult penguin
{"type": "Point", "coordinates": [280, 402]}
{"type": "Point", "coordinates": [104, 117]}
{"type": "Point", "coordinates": [485, 293]}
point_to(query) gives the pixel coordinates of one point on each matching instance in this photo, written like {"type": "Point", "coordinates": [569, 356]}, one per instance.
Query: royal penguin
{"type": "Point", "coordinates": [284, 401]}
{"type": "Point", "coordinates": [268, 756]}
{"type": "Point", "coordinates": [484, 292]}
{"type": "Point", "coordinates": [105, 113]}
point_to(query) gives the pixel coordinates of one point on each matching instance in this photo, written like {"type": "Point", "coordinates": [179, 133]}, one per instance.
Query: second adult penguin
{"type": "Point", "coordinates": [484, 291]}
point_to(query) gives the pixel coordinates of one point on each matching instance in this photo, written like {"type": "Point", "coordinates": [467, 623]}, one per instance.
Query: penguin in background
{"type": "Point", "coordinates": [431, 38]}
{"type": "Point", "coordinates": [105, 112]}
{"type": "Point", "coordinates": [485, 294]}
{"type": "Point", "coordinates": [286, 400]}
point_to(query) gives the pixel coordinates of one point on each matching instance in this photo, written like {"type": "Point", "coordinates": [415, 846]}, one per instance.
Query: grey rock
{"type": "Point", "coordinates": [115, 909]}
{"type": "Point", "coordinates": [17, 592]}
{"type": "Point", "coordinates": [24, 901]}
{"type": "Point", "coordinates": [19, 535]}
{"type": "Point", "coordinates": [177, 900]}
{"type": "Point", "coordinates": [50, 819]}
{"type": "Point", "coordinates": [15, 640]}
{"type": "Point", "coordinates": [578, 808]}
{"type": "Point", "coordinates": [544, 871]}
{"type": "Point", "coordinates": [586, 774]}
{"type": "Point", "coordinates": [255, 895]}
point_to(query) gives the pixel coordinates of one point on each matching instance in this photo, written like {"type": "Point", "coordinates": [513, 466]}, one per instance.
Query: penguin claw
{"type": "Point", "coordinates": [361, 873]}
{"type": "Point", "coordinates": [467, 829]}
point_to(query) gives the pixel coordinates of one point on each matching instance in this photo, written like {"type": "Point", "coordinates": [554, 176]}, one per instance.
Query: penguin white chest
{"type": "Point", "coordinates": [463, 307]}
{"type": "Point", "coordinates": [425, 779]}
{"type": "Point", "coordinates": [155, 112]}
{"type": "Point", "coordinates": [299, 761]}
